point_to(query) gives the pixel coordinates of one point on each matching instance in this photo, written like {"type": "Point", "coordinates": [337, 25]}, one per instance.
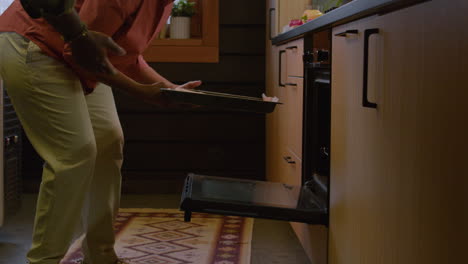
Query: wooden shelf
{"type": "Point", "coordinates": [201, 50]}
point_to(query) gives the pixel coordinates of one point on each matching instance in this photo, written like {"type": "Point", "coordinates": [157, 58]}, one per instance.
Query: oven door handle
{"type": "Point", "coordinates": [365, 100]}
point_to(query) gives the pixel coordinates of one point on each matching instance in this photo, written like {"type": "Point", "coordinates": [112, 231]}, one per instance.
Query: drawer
{"type": "Point", "coordinates": [294, 63]}
{"type": "Point", "coordinates": [293, 169]}
{"type": "Point", "coordinates": [294, 91]}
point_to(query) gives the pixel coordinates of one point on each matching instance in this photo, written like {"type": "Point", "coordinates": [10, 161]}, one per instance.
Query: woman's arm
{"type": "Point", "coordinates": [143, 73]}
{"type": "Point", "coordinates": [150, 93]}
{"type": "Point", "coordinates": [89, 48]}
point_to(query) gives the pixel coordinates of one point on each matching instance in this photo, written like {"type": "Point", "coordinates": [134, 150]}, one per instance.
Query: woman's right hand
{"type": "Point", "coordinates": [90, 52]}
{"type": "Point", "coordinates": [151, 93]}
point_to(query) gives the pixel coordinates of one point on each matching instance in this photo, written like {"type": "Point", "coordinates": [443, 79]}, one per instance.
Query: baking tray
{"type": "Point", "coordinates": [220, 100]}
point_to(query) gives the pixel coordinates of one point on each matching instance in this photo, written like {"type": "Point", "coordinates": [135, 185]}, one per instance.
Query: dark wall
{"type": "Point", "coordinates": [163, 145]}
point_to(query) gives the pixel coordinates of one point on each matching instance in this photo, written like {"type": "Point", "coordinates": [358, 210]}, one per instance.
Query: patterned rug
{"type": "Point", "coordinates": [160, 236]}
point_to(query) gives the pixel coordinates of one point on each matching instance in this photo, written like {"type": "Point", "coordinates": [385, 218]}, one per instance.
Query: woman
{"type": "Point", "coordinates": [69, 115]}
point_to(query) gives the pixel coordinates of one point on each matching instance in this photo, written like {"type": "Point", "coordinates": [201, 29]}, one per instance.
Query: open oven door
{"type": "Point", "coordinates": [259, 199]}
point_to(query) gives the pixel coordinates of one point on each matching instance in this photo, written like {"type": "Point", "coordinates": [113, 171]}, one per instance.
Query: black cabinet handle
{"type": "Point", "coordinates": [291, 47]}
{"type": "Point", "coordinates": [367, 34]}
{"type": "Point", "coordinates": [280, 66]}
{"type": "Point", "coordinates": [290, 84]}
{"type": "Point", "coordinates": [288, 160]}
{"type": "Point", "coordinates": [345, 33]}
{"type": "Point", "coordinates": [270, 18]}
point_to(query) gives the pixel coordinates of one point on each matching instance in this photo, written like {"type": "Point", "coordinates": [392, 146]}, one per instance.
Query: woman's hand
{"type": "Point", "coordinates": [90, 52]}
{"type": "Point", "coordinates": [89, 48]}
{"type": "Point", "coordinates": [151, 93]}
{"type": "Point", "coordinates": [190, 85]}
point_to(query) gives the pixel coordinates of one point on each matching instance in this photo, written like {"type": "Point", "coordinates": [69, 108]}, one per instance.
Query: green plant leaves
{"type": "Point", "coordinates": [184, 8]}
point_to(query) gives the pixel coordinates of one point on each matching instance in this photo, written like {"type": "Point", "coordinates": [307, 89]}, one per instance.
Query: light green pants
{"type": "Point", "coordinates": [81, 141]}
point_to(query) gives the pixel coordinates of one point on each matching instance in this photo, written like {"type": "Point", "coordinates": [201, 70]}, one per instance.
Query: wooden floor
{"type": "Point", "coordinates": [274, 242]}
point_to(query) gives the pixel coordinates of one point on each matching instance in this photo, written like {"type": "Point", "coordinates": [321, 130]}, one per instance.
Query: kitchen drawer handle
{"type": "Point", "coordinates": [270, 17]}
{"type": "Point", "coordinates": [367, 34]}
{"type": "Point", "coordinates": [288, 160]}
{"type": "Point", "coordinates": [290, 84]}
{"type": "Point", "coordinates": [280, 66]}
{"type": "Point", "coordinates": [291, 47]}
{"type": "Point", "coordinates": [345, 33]}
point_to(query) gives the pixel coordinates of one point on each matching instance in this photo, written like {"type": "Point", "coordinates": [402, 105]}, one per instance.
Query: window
{"type": "Point", "coordinates": [203, 46]}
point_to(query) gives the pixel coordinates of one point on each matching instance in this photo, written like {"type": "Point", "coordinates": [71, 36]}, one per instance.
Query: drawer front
{"type": "Point", "coordinates": [294, 105]}
{"type": "Point", "coordinates": [294, 63]}
{"type": "Point", "coordinates": [292, 169]}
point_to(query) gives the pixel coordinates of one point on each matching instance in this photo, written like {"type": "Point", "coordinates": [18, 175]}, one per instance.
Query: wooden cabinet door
{"type": "Point", "coordinates": [293, 167]}
{"type": "Point", "coordinates": [295, 98]}
{"type": "Point", "coordinates": [352, 129]}
{"type": "Point", "coordinates": [284, 125]}
{"type": "Point", "coordinates": [294, 62]}
{"type": "Point", "coordinates": [397, 171]}
{"type": "Point", "coordinates": [272, 148]}
{"type": "Point", "coordinates": [276, 130]}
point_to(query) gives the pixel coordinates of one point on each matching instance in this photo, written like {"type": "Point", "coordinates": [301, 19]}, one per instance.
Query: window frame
{"type": "Point", "coordinates": [201, 50]}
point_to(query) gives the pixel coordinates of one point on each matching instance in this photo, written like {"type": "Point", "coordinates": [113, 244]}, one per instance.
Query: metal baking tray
{"type": "Point", "coordinates": [220, 100]}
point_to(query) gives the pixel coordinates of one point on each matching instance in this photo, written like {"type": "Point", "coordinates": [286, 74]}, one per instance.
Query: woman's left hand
{"type": "Point", "coordinates": [151, 93]}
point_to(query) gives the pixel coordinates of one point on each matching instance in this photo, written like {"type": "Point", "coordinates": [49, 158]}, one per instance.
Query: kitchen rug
{"type": "Point", "coordinates": [160, 236]}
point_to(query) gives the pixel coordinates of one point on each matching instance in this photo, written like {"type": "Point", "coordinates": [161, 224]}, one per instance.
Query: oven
{"type": "Point", "coordinates": [307, 203]}
{"type": "Point", "coordinates": [317, 112]}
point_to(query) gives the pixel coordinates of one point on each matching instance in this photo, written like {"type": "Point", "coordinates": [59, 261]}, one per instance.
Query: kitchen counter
{"type": "Point", "coordinates": [346, 13]}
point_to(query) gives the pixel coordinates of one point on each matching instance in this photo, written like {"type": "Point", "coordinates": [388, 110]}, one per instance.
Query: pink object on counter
{"type": "Point", "coordinates": [295, 22]}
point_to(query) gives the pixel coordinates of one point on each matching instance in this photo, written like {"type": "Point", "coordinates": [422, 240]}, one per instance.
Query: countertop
{"type": "Point", "coordinates": [351, 11]}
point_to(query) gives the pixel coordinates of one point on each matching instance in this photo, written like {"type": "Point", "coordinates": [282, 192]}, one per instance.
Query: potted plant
{"type": "Point", "coordinates": [182, 11]}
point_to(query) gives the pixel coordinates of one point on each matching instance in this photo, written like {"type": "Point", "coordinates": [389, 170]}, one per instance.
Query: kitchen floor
{"type": "Point", "coordinates": [274, 242]}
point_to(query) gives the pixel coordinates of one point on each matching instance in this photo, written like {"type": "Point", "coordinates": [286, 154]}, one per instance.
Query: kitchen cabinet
{"type": "Point", "coordinates": [294, 63]}
{"type": "Point", "coordinates": [284, 126]}
{"type": "Point", "coordinates": [284, 134]}
{"type": "Point", "coordinates": [397, 167]}
{"type": "Point", "coordinates": [294, 90]}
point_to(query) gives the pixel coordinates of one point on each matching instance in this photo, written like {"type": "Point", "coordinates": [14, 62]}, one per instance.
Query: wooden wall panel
{"type": "Point", "coordinates": [192, 156]}
{"type": "Point", "coordinates": [195, 127]}
{"type": "Point", "coordinates": [241, 12]}
{"type": "Point", "coordinates": [236, 40]}
{"type": "Point", "coordinates": [232, 68]}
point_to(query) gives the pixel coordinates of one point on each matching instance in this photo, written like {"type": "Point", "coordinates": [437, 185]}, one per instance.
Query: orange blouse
{"type": "Point", "coordinates": [131, 23]}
